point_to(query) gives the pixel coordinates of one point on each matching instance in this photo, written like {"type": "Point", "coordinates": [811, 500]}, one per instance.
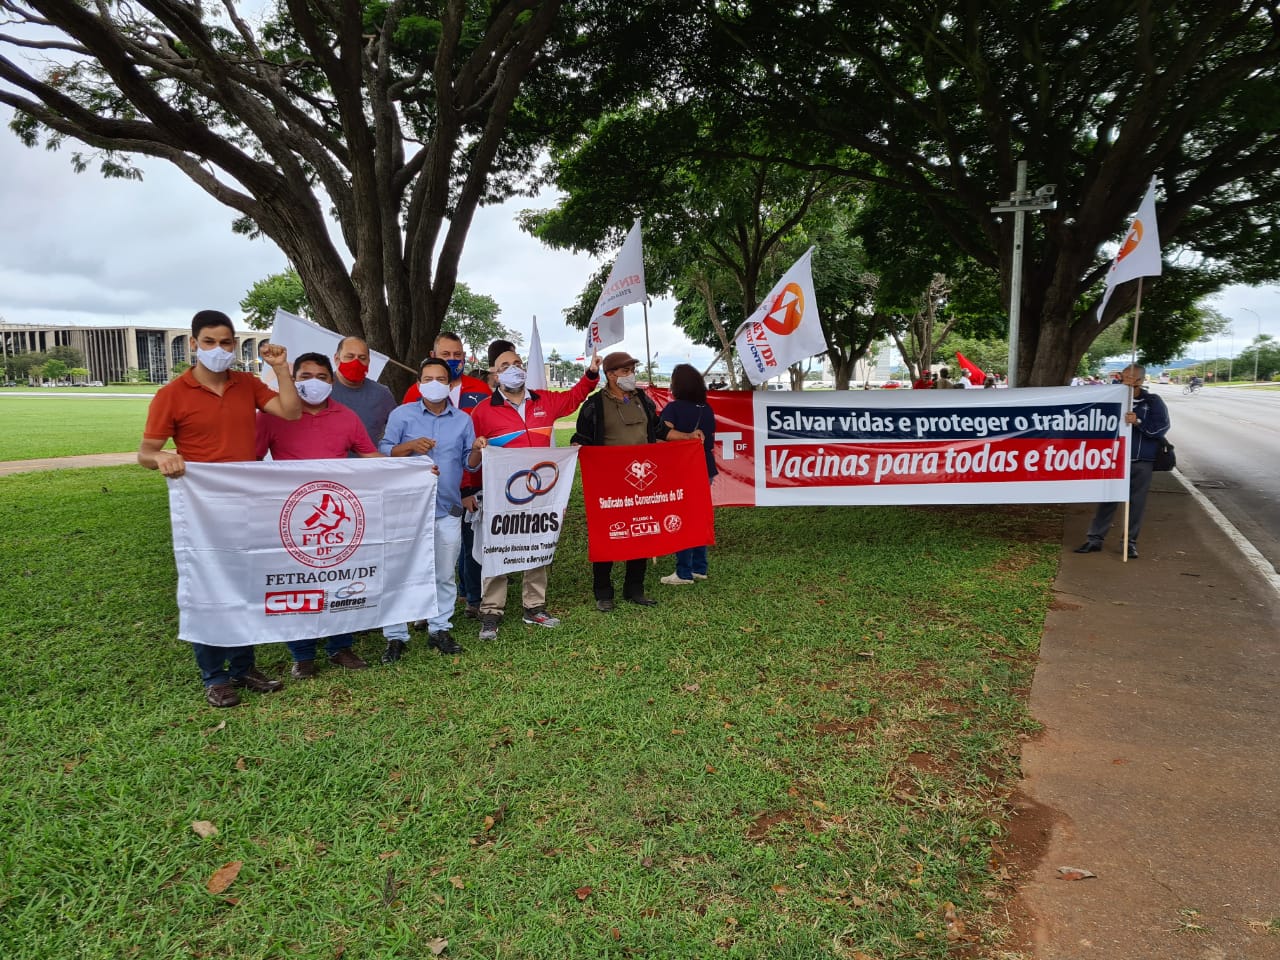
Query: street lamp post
{"type": "Point", "coordinates": [1019, 202]}
{"type": "Point", "coordinates": [1257, 344]}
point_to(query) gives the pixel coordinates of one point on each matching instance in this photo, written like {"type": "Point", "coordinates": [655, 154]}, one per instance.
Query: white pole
{"type": "Point", "coordinates": [1128, 408]}
{"type": "Point", "coordinates": [1015, 281]}
{"type": "Point", "coordinates": [648, 354]}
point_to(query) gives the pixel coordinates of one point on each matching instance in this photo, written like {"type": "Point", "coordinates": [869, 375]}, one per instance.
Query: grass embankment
{"type": "Point", "coordinates": [805, 756]}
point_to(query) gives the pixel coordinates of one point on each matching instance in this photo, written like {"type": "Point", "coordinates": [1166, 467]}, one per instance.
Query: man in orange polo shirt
{"type": "Point", "coordinates": [209, 412]}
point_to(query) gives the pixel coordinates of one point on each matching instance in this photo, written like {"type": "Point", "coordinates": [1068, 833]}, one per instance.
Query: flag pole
{"type": "Point", "coordinates": [1128, 405]}
{"type": "Point", "coordinates": [648, 354]}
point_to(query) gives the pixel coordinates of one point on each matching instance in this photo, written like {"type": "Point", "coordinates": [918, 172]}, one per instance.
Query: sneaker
{"type": "Point", "coordinates": [443, 641]}
{"type": "Point", "coordinates": [393, 653]}
{"type": "Point", "coordinates": [488, 627]}
{"type": "Point", "coordinates": [539, 617]}
{"type": "Point", "coordinates": [700, 576]}
{"type": "Point", "coordinates": [348, 659]}
{"type": "Point", "coordinates": [604, 606]}
{"type": "Point", "coordinates": [472, 612]}
{"type": "Point", "coordinates": [675, 580]}
{"type": "Point", "coordinates": [303, 670]}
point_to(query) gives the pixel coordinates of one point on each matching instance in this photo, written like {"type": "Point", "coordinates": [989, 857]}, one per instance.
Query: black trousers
{"type": "Point", "coordinates": [632, 579]}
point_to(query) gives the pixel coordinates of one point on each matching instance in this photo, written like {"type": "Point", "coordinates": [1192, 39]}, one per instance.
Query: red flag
{"type": "Point", "coordinates": [975, 372]}
{"type": "Point", "coordinates": [646, 500]}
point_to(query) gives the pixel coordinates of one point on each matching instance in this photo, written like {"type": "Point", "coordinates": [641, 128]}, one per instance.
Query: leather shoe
{"type": "Point", "coordinates": [1133, 550]}
{"type": "Point", "coordinates": [347, 659]}
{"type": "Point", "coordinates": [257, 681]}
{"type": "Point", "coordinates": [604, 606]}
{"type": "Point", "coordinates": [394, 651]}
{"type": "Point", "coordinates": [222, 695]}
{"type": "Point", "coordinates": [443, 641]}
{"type": "Point", "coordinates": [643, 601]}
{"type": "Point", "coordinates": [303, 669]}
{"type": "Point", "coordinates": [1089, 546]}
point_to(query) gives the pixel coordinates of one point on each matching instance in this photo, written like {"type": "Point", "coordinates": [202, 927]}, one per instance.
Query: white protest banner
{"type": "Point", "coordinates": [526, 496]}
{"type": "Point", "coordinates": [290, 550]}
{"type": "Point", "coordinates": [785, 327]}
{"type": "Point", "coordinates": [625, 285]}
{"type": "Point", "coordinates": [300, 336]}
{"type": "Point", "coordinates": [536, 365]}
{"type": "Point", "coordinates": [1031, 445]}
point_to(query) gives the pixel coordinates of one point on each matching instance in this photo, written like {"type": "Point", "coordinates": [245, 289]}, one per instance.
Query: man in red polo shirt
{"type": "Point", "coordinates": [209, 412]}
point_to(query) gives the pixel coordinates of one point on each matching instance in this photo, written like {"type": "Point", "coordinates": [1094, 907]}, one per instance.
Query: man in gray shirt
{"type": "Point", "coordinates": [371, 400]}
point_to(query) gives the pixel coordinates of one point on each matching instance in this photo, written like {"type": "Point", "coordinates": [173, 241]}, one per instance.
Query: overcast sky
{"type": "Point", "coordinates": [77, 248]}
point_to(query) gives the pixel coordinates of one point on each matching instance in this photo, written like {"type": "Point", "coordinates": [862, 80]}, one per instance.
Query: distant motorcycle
{"type": "Point", "coordinates": [1193, 387]}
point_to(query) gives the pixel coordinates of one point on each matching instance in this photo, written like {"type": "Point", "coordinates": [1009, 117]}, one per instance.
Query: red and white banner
{"type": "Point", "coordinates": [785, 327]}
{"type": "Point", "coordinates": [290, 550]}
{"type": "Point", "coordinates": [1032, 445]}
{"type": "Point", "coordinates": [523, 510]}
{"type": "Point", "coordinates": [625, 285]}
{"type": "Point", "coordinates": [646, 500]}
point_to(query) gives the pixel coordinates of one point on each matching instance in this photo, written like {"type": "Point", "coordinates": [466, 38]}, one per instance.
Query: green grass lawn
{"type": "Point", "coordinates": [807, 755]}
{"type": "Point", "coordinates": [65, 427]}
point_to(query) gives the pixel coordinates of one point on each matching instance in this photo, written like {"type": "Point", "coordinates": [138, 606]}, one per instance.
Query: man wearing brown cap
{"type": "Point", "coordinates": [619, 414]}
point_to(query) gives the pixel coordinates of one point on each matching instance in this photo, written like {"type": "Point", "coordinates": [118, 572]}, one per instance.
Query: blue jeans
{"type": "Point", "coordinates": [222, 664]}
{"type": "Point", "coordinates": [468, 569]}
{"type": "Point", "coordinates": [306, 649]}
{"type": "Point", "coordinates": [691, 561]}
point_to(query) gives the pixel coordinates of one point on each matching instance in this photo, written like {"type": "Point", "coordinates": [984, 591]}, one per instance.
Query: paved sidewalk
{"type": "Point", "coordinates": [67, 463]}
{"type": "Point", "coordinates": [1159, 690]}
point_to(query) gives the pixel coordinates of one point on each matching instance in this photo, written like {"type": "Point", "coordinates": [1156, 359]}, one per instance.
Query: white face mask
{"type": "Point", "coordinates": [627, 383]}
{"type": "Point", "coordinates": [511, 379]}
{"type": "Point", "coordinates": [434, 391]}
{"type": "Point", "coordinates": [216, 360]}
{"type": "Point", "coordinates": [314, 391]}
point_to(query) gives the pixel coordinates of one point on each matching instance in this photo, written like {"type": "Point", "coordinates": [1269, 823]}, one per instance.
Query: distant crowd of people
{"type": "Point", "coordinates": [329, 408]}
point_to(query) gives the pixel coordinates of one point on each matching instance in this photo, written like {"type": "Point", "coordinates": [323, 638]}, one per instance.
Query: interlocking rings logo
{"type": "Point", "coordinates": [536, 482]}
{"type": "Point", "coordinates": [322, 523]}
{"type": "Point", "coordinates": [351, 590]}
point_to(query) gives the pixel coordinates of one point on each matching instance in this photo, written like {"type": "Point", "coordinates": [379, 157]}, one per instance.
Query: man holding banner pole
{"type": "Point", "coordinates": [518, 417]}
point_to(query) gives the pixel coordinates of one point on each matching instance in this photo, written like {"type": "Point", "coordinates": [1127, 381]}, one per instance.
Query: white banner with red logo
{"type": "Point", "coordinates": [290, 550]}
{"type": "Point", "coordinates": [1139, 254]}
{"type": "Point", "coordinates": [785, 327]}
{"type": "Point", "coordinates": [646, 500]}
{"type": "Point", "coordinates": [1032, 445]}
{"type": "Point", "coordinates": [526, 496]}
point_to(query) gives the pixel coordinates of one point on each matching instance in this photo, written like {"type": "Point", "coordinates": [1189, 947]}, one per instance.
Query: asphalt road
{"type": "Point", "coordinates": [1228, 443]}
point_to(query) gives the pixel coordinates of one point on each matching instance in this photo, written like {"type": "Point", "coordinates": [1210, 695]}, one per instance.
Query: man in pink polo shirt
{"type": "Point", "coordinates": [326, 431]}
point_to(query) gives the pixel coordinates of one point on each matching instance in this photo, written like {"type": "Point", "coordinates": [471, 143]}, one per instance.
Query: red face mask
{"type": "Point", "coordinates": [354, 370]}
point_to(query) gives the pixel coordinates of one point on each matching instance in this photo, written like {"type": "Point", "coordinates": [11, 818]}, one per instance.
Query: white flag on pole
{"type": "Point", "coordinates": [300, 336]}
{"type": "Point", "coordinates": [625, 285]}
{"type": "Point", "coordinates": [536, 376]}
{"type": "Point", "coordinates": [1139, 255]}
{"type": "Point", "coordinates": [785, 327]}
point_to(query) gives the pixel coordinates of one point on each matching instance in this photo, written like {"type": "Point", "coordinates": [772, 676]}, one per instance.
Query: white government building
{"type": "Point", "coordinates": [110, 351]}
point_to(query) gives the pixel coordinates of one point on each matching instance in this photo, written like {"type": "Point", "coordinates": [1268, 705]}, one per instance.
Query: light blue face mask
{"type": "Point", "coordinates": [511, 378]}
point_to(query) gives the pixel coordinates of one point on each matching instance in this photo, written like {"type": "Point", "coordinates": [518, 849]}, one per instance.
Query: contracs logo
{"type": "Point", "coordinates": [322, 523]}
{"type": "Point", "coordinates": [348, 597]}
{"type": "Point", "coordinates": [294, 601]}
{"type": "Point", "coordinates": [641, 474]}
{"type": "Point", "coordinates": [538, 480]}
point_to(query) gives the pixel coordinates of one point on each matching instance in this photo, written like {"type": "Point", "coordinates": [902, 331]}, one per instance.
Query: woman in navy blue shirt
{"type": "Point", "coordinates": [688, 417]}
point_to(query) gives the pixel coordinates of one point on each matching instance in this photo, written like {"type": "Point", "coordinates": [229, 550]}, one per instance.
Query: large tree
{"type": "Point", "coordinates": [395, 119]}
{"type": "Point", "coordinates": [944, 99]}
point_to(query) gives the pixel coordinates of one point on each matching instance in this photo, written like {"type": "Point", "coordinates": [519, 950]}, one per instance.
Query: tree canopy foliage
{"type": "Point", "coordinates": [395, 119]}
{"type": "Point", "coordinates": [942, 100]}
